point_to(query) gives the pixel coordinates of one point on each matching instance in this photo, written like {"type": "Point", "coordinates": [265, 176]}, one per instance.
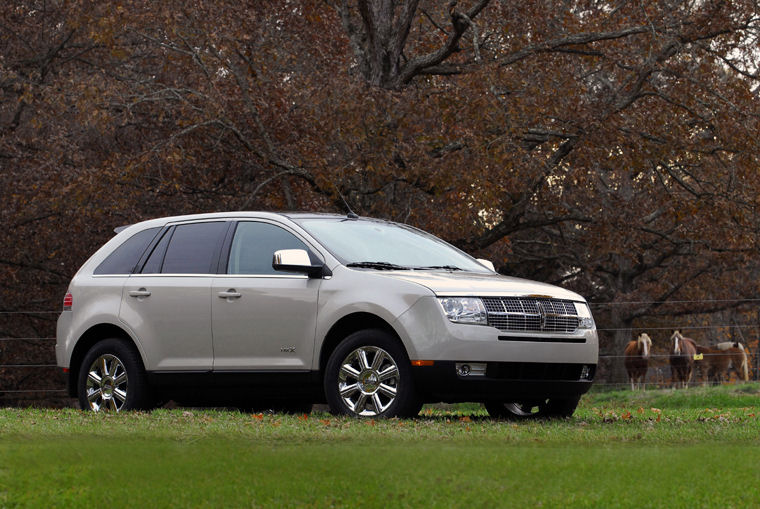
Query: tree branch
{"type": "Point", "coordinates": [460, 24]}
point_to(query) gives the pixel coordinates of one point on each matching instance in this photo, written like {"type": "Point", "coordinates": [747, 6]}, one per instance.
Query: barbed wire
{"type": "Point", "coordinates": [698, 301]}
{"type": "Point", "coordinates": [601, 357]}
{"type": "Point", "coordinates": [26, 339]}
{"type": "Point", "coordinates": [680, 327]}
{"type": "Point", "coordinates": [603, 329]}
{"type": "Point", "coordinates": [599, 329]}
{"type": "Point", "coordinates": [591, 303]}
{"type": "Point", "coordinates": [14, 391]}
{"type": "Point", "coordinates": [667, 355]}
{"type": "Point", "coordinates": [27, 312]}
{"type": "Point", "coordinates": [28, 365]}
{"type": "Point", "coordinates": [603, 303]}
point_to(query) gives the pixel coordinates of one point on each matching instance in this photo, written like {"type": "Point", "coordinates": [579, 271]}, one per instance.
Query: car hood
{"type": "Point", "coordinates": [473, 284]}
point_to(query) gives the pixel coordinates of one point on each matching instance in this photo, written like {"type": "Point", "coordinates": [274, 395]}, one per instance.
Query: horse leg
{"type": "Point", "coordinates": [675, 376]}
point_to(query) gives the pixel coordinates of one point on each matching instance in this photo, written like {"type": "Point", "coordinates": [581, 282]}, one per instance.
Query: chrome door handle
{"type": "Point", "coordinates": [230, 294]}
{"type": "Point", "coordinates": [142, 292]}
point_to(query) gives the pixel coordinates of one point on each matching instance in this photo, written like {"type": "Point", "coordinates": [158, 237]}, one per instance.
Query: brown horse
{"type": "Point", "coordinates": [682, 352]}
{"type": "Point", "coordinates": [713, 363]}
{"type": "Point", "coordinates": [738, 358]}
{"type": "Point", "coordinates": [637, 360]}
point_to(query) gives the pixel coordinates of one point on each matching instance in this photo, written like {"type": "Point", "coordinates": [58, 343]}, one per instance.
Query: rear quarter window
{"type": "Point", "coordinates": [123, 259]}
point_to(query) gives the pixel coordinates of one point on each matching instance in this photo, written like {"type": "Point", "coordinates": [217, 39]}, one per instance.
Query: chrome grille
{"type": "Point", "coordinates": [531, 314]}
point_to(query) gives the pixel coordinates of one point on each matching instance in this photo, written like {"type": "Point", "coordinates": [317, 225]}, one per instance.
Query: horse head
{"type": "Point", "coordinates": [644, 343]}
{"type": "Point", "coordinates": [676, 342]}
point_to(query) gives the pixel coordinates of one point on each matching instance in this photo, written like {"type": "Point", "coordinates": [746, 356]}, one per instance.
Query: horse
{"type": "Point", "coordinates": [713, 363]}
{"type": "Point", "coordinates": [737, 355]}
{"type": "Point", "coordinates": [682, 352]}
{"type": "Point", "coordinates": [637, 360]}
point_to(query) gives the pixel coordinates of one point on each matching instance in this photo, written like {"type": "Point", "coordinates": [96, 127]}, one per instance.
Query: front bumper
{"type": "Point", "coordinates": [428, 335]}
{"type": "Point", "coordinates": [503, 381]}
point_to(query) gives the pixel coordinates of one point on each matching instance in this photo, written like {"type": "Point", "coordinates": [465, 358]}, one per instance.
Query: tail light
{"type": "Point", "coordinates": [68, 301]}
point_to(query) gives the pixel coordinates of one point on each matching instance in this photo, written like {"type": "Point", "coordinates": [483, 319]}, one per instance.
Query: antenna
{"type": "Point", "coordinates": [351, 214]}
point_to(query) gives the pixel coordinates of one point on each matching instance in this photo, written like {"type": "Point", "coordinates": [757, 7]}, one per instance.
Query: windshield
{"type": "Point", "coordinates": [382, 245]}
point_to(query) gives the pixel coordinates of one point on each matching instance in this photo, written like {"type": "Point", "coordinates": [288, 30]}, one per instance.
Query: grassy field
{"type": "Point", "coordinates": [693, 448]}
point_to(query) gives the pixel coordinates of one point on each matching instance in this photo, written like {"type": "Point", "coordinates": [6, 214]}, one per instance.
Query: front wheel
{"type": "Point", "coordinates": [541, 408]}
{"type": "Point", "coordinates": [112, 378]}
{"type": "Point", "coordinates": [369, 375]}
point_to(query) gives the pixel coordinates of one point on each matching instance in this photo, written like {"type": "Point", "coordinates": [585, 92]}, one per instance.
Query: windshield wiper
{"type": "Point", "coordinates": [377, 265]}
{"type": "Point", "coordinates": [432, 267]}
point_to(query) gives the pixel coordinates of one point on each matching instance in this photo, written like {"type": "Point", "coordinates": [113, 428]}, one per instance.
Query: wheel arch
{"type": "Point", "coordinates": [348, 325]}
{"type": "Point", "coordinates": [92, 336]}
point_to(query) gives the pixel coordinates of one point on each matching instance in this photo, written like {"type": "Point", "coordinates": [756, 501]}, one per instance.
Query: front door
{"type": "Point", "coordinates": [263, 319]}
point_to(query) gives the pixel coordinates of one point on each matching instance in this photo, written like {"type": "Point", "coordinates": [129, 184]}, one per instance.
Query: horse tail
{"type": "Point", "coordinates": [745, 366]}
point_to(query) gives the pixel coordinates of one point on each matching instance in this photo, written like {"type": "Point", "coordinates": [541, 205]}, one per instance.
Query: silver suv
{"type": "Point", "coordinates": [284, 310]}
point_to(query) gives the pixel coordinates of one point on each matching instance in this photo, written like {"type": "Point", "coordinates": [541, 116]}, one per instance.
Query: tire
{"type": "Point", "coordinates": [562, 407]}
{"type": "Point", "coordinates": [112, 378]}
{"type": "Point", "coordinates": [369, 375]}
{"type": "Point", "coordinates": [547, 408]}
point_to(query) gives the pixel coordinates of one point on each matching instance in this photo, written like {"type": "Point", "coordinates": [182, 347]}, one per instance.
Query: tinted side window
{"type": "Point", "coordinates": [124, 258]}
{"type": "Point", "coordinates": [193, 247]}
{"type": "Point", "coordinates": [156, 258]}
{"type": "Point", "coordinates": [254, 245]}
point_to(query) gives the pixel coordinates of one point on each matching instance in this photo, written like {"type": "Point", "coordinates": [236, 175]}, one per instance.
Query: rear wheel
{"type": "Point", "coordinates": [541, 408]}
{"type": "Point", "coordinates": [369, 375]}
{"type": "Point", "coordinates": [112, 378]}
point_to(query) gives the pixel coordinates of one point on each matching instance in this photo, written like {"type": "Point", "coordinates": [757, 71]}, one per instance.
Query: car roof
{"type": "Point", "coordinates": [160, 221]}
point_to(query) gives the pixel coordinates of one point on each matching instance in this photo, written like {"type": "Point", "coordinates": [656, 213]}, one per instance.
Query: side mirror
{"type": "Point", "coordinates": [486, 263]}
{"type": "Point", "coordinates": [296, 260]}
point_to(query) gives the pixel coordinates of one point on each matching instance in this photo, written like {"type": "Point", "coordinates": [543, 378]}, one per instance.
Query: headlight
{"type": "Point", "coordinates": [585, 320]}
{"type": "Point", "coordinates": [464, 310]}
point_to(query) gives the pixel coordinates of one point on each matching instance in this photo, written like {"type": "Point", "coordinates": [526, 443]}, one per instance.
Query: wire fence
{"type": "Point", "coordinates": [610, 369]}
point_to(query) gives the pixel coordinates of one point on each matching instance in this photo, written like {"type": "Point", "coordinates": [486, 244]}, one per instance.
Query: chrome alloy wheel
{"type": "Point", "coordinates": [107, 384]}
{"type": "Point", "coordinates": [368, 381]}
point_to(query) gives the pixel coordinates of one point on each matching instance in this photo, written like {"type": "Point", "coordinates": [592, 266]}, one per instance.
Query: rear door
{"type": "Point", "coordinates": [262, 319]}
{"type": "Point", "coordinates": [168, 305]}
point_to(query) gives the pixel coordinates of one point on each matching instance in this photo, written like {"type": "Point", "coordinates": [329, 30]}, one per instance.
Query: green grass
{"type": "Point", "coordinates": [693, 448]}
{"type": "Point", "coordinates": [724, 396]}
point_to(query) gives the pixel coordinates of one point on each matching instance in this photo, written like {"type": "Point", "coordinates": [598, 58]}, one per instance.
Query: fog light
{"type": "Point", "coordinates": [470, 368]}
{"type": "Point", "coordinates": [585, 372]}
